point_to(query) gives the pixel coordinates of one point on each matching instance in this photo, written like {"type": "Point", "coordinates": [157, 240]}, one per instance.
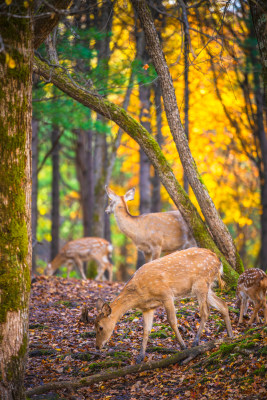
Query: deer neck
{"type": "Point", "coordinates": [123, 302]}
{"type": "Point", "coordinates": [126, 222]}
{"type": "Point", "coordinates": [57, 262]}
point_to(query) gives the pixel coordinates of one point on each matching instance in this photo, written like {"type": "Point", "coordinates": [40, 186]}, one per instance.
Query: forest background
{"type": "Point", "coordinates": [216, 71]}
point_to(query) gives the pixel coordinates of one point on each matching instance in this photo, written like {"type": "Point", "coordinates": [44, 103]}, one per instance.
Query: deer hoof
{"type": "Point", "coordinates": [139, 359]}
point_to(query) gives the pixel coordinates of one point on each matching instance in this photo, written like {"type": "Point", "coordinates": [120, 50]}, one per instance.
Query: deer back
{"type": "Point", "coordinates": [174, 274]}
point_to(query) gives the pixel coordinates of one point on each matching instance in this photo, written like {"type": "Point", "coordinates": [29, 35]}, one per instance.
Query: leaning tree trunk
{"type": "Point", "coordinates": [15, 198]}
{"type": "Point", "coordinates": [55, 193]}
{"type": "Point", "coordinates": [217, 228]}
{"type": "Point", "coordinates": [136, 131]}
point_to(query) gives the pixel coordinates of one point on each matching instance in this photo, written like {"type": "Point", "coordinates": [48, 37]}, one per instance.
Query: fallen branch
{"type": "Point", "coordinates": [118, 373]}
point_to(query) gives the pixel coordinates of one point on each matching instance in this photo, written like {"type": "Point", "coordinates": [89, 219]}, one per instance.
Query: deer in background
{"type": "Point", "coordinates": [152, 233]}
{"type": "Point", "coordinates": [252, 285]}
{"type": "Point", "coordinates": [178, 275]}
{"type": "Point", "coordinates": [80, 250]}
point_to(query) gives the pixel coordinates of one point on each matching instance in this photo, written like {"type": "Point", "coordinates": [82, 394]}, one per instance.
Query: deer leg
{"type": "Point", "coordinates": [156, 253]}
{"type": "Point", "coordinates": [204, 314]}
{"type": "Point", "coordinates": [221, 306]}
{"type": "Point", "coordinates": [171, 316]}
{"type": "Point", "coordinates": [148, 257]}
{"type": "Point", "coordinates": [69, 267]}
{"type": "Point", "coordinates": [147, 326]}
{"type": "Point", "coordinates": [257, 306]}
{"type": "Point", "coordinates": [80, 266]}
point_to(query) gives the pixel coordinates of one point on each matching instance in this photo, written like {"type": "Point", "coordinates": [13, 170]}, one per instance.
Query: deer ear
{"type": "Point", "coordinates": [106, 310]}
{"type": "Point", "coordinates": [129, 195]}
{"type": "Point", "coordinates": [99, 303]}
{"type": "Point", "coordinates": [110, 193]}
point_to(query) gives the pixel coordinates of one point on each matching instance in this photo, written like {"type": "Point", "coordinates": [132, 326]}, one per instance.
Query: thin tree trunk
{"type": "Point", "coordinates": [258, 11]}
{"type": "Point", "coordinates": [144, 118]}
{"type": "Point", "coordinates": [186, 85]}
{"type": "Point", "coordinates": [217, 228]}
{"type": "Point", "coordinates": [15, 197]}
{"type": "Point", "coordinates": [100, 155]}
{"type": "Point", "coordinates": [155, 196]}
{"type": "Point", "coordinates": [84, 166]}
{"type": "Point", "coordinates": [35, 124]}
{"type": "Point", "coordinates": [103, 21]}
{"type": "Point", "coordinates": [55, 216]}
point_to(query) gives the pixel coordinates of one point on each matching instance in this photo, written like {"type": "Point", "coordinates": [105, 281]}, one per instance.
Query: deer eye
{"type": "Point", "coordinates": [101, 328]}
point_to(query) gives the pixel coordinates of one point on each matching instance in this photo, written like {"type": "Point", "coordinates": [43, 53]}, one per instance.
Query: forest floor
{"type": "Point", "coordinates": [63, 348]}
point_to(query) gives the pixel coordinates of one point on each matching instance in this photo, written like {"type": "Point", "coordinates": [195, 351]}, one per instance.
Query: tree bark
{"type": "Point", "coordinates": [144, 118]}
{"type": "Point", "coordinates": [104, 24]}
{"type": "Point", "coordinates": [55, 215]}
{"type": "Point", "coordinates": [35, 124]}
{"type": "Point", "coordinates": [217, 228]}
{"type": "Point", "coordinates": [147, 142]}
{"type": "Point", "coordinates": [15, 197]}
{"type": "Point", "coordinates": [84, 166]}
{"type": "Point", "coordinates": [155, 196]}
{"type": "Point", "coordinates": [258, 9]}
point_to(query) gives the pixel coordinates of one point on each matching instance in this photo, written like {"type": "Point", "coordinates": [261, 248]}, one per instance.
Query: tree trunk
{"type": "Point", "coordinates": [186, 83]}
{"type": "Point", "coordinates": [137, 132]}
{"type": "Point", "coordinates": [258, 11]}
{"type": "Point", "coordinates": [55, 216]}
{"type": "Point", "coordinates": [84, 166]}
{"type": "Point", "coordinates": [35, 124]}
{"type": "Point", "coordinates": [144, 118]}
{"type": "Point", "coordinates": [104, 24]}
{"type": "Point", "coordinates": [15, 197]}
{"type": "Point", "coordinates": [155, 196]}
{"type": "Point", "coordinates": [217, 228]}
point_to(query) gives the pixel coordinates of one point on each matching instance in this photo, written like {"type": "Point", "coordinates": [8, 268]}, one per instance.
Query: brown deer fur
{"type": "Point", "coordinates": [152, 233]}
{"type": "Point", "coordinates": [181, 274]}
{"type": "Point", "coordinates": [80, 250]}
{"type": "Point", "coordinates": [252, 285]}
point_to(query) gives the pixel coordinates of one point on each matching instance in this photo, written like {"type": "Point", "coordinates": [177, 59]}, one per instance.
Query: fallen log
{"type": "Point", "coordinates": [188, 354]}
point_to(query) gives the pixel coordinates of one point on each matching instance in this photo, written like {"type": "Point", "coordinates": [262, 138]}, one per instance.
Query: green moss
{"type": "Point", "coordinates": [226, 349]}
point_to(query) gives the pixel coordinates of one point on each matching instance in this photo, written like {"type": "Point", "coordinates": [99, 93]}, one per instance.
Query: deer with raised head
{"type": "Point", "coordinates": [80, 250]}
{"type": "Point", "coordinates": [185, 273]}
{"type": "Point", "coordinates": [252, 285]}
{"type": "Point", "coordinates": [152, 233]}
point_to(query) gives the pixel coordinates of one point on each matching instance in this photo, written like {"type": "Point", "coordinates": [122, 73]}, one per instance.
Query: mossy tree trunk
{"type": "Point", "coordinates": [16, 56]}
{"type": "Point", "coordinates": [15, 198]}
{"type": "Point", "coordinates": [134, 129]}
{"type": "Point", "coordinates": [219, 231]}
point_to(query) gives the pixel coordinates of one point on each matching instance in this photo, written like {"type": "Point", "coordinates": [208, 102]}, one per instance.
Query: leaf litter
{"type": "Point", "coordinates": [61, 348]}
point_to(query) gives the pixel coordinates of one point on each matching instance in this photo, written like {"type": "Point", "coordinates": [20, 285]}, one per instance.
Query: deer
{"type": "Point", "coordinates": [77, 251]}
{"type": "Point", "coordinates": [185, 273]}
{"type": "Point", "coordinates": [151, 233]}
{"type": "Point", "coordinates": [252, 285]}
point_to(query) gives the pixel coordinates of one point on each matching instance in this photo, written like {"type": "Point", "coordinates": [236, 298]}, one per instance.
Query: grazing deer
{"type": "Point", "coordinates": [185, 273]}
{"type": "Point", "coordinates": [152, 233]}
{"type": "Point", "coordinates": [252, 285]}
{"type": "Point", "coordinates": [85, 249]}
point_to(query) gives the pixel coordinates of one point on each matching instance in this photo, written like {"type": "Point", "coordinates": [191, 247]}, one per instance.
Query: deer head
{"type": "Point", "coordinates": [103, 324]}
{"type": "Point", "coordinates": [116, 200]}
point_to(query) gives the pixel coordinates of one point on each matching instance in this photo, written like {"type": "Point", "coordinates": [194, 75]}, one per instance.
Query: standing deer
{"type": "Point", "coordinates": [178, 275]}
{"type": "Point", "coordinates": [152, 233]}
{"type": "Point", "coordinates": [80, 250]}
{"type": "Point", "coordinates": [252, 284]}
